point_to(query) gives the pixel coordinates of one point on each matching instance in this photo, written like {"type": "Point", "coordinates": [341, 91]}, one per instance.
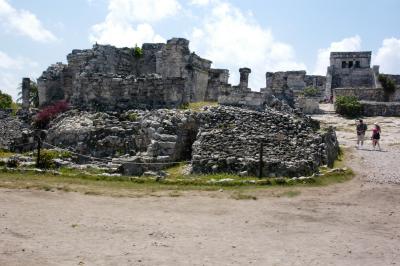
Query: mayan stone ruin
{"type": "Point", "coordinates": [128, 111]}
{"type": "Point", "coordinates": [109, 78]}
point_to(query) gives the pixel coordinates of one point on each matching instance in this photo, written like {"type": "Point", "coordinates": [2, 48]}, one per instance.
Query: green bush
{"type": "Point", "coordinates": [310, 92]}
{"type": "Point", "coordinates": [47, 157]}
{"type": "Point", "coordinates": [12, 162]}
{"type": "Point", "coordinates": [137, 51]}
{"type": "Point", "coordinates": [348, 106]}
{"type": "Point", "coordinates": [133, 117]}
{"type": "Point", "coordinates": [5, 100]}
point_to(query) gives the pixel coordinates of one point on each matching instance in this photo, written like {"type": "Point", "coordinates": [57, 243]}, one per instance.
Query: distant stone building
{"type": "Point", "coordinates": [110, 78]}
{"type": "Point", "coordinates": [351, 70]}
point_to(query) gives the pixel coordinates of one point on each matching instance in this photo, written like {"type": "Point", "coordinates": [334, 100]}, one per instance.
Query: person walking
{"type": "Point", "coordinates": [376, 135]}
{"type": "Point", "coordinates": [361, 129]}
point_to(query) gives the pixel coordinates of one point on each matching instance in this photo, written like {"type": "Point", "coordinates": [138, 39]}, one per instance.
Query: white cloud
{"type": "Point", "coordinates": [12, 70]}
{"type": "Point", "coordinates": [388, 56]}
{"type": "Point", "coordinates": [23, 22]}
{"type": "Point", "coordinates": [200, 2]}
{"type": "Point", "coordinates": [232, 40]}
{"type": "Point", "coordinates": [123, 34]}
{"type": "Point", "coordinates": [128, 22]}
{"type": "Point", "coordinates": [350, 44]}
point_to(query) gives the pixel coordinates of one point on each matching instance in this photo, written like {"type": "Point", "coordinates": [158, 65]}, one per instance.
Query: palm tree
{"type": "Point", "coordinates": [33, 94]}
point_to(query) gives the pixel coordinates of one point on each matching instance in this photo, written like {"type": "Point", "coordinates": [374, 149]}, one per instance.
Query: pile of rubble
{"type": "Point", "coordinates": [136, 139]}
{"type": "Point", "coordinates": [15, 133]}
{"type": "Point", "coordinates": [229, 140]}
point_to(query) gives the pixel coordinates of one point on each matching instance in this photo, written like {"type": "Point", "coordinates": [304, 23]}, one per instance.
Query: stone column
{"type": "Point", "coordinates": [244, 77]}
{"type": "Point", "coordinates": [26, 87]}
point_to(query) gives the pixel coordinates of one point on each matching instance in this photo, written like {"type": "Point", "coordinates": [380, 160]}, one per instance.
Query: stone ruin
{"type": "Point", "coordinates": [109, 78]}
{"type": "Point", "coordinates": [128, 114]}
{"type": "Point", "coordinates": [350, 74]}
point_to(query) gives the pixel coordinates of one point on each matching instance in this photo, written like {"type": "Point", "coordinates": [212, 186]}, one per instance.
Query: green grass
{"type": "Point", "coordinates": [6, 154]}
{"type": "Point", "coordinates": [198, 106]}
{"type": "Point", "coordinates": [92, 184]}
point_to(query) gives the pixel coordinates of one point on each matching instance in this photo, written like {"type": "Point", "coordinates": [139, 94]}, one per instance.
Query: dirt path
{"type": "Point", "coordinates": [355, 223]}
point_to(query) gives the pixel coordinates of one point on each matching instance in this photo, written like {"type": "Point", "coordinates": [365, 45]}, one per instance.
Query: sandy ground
{"type": "Point", "coordinates": [353, 223]}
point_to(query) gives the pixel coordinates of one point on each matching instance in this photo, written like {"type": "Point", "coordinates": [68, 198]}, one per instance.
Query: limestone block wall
{"type": "Point", "coordinates": [217, 80]}
{"type": "Point", "coordinates": [366, 94]}
{"type": "Point", "coordinates": [380, 108]}
{"type": "Point", "coordinates": [54, 84]}
{"type": "Point", "coordinates": [236, 96]}
{"type": "Point", "coordinates": [113, 92]}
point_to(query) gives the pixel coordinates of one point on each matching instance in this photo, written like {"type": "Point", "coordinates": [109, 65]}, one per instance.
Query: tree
{"type": "Point", "coordinates": [5, 100]}
{"type": "Point", "coordinates": [33, 94]}
{"type": "Point", "coordinates": [137, 51]}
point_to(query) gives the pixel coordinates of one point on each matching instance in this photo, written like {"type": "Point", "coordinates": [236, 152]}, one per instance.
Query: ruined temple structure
{"type": "Point", "coordinates": [351, 70]}
{"type": "Point", "coordinates": [109, 78]}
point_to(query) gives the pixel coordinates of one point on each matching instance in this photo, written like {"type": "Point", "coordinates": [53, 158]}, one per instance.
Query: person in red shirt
{"type": "Point", "coordinates": [376, 135]}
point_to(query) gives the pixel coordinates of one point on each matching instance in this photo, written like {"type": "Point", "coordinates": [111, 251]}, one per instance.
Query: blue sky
{"type": "Point", "coordinates": [262, 34]}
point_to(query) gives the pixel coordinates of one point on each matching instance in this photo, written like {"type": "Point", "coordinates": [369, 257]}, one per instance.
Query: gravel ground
{"type": "Point", "coordinates": [352, 223]}
{"type": "Point", "coordinates": [372, 165]}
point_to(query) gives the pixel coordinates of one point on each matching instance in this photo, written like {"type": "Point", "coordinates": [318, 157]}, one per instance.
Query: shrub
{"type": "Point", "coordinates": [348, 106]}
{"type": "Point", "coordinates": [44, 117]}
{"type": "Point", "coordinates": [310, 92]}
{"type": "Point", "coordinates": [47, 157]}
{"type": "Point", "coordinates": [12, 162]}
{"type": "Point", "coordinates": [5, 100]}
{"type": "Point", "coordinates": [133, 117]}
{"type": "Point", "coordinates": [137, 51]}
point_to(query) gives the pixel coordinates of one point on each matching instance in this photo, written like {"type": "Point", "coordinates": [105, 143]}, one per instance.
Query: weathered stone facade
{"type": "Point", "coordinates": [166, 75]}
{"type": "Point", "coordinates": [282, 82]}
{"type": "Point", "coordinates": [350, 70]}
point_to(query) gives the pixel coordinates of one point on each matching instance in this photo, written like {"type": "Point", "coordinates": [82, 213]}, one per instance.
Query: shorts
{"type": "Point", "coordinates": [361, 137]}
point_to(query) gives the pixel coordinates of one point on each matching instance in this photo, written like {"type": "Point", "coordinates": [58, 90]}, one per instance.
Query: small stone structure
{"type": "Point", "coordinates": [283, 81]}
{"type": "Point", "coordinates": [229, 141]}
{"type": "Point", "coordinates": [110, 78]}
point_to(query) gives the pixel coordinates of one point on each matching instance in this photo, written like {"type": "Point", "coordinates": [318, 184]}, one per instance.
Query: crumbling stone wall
{"type": "Point", "coordinates": [114, 92]}
{"type": "Point", "coordinates": [372, 108]}
{"type": "Point", "coordinates": [283, 81]}
{"type": "Point", "coordinates": [169, 62]}
{"type": "Point", "coordinates": [147, 137]}
{"type": "Point", "coordinates": [15, 134]}
{"type": "Point", "coordinates": [229, 141]}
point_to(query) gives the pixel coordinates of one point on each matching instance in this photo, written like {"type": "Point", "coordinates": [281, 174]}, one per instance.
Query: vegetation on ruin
{"type": "Point", "coordinates": [310, 92]}
{"type": "Point", "coordinates": [48, 113]}
{"type": "Point", "coordinates": [388, 84]}
{"type": "Point", "coordinates": [197, 106]}
{"type": "Point", "coordinates": [137, 51]}
{"type": "Point", "coordinates": [47, 157]}
{"type": "Point", "coordinates": [33, 94]}
{"type": "Point", "coordinates": [5, 100]}
{"type": "Point", "coordinates": [348, 106]}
